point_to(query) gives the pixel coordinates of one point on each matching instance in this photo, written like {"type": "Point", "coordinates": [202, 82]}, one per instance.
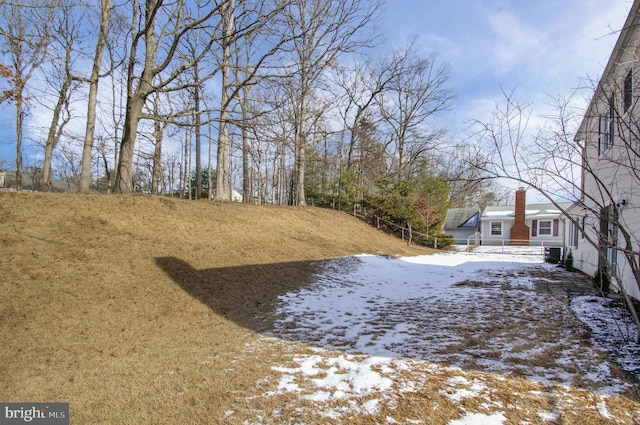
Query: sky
{"type": "Point", "coordinates": [541, 48]}
{"type": "Point", "coordinates": [538, 48]}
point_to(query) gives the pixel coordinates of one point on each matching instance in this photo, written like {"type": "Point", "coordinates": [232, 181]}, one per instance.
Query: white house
{"type": "Point", "coordinates": [236, 196]}
{"type": "Point", "coordinates": [606, 228]}
{"type": "Point", "coordinates": [524, 224]}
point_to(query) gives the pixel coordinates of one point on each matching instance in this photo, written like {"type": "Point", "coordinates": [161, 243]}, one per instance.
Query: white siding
{"type": "Point", "coordinates": [488, 238]}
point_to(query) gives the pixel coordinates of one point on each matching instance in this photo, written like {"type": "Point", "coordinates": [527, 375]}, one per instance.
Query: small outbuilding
{"type": "Point", "coordinates": [463, 224]}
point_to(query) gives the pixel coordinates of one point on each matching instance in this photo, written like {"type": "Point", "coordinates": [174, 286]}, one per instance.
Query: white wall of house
{"type": "Point", "coordinates": [583, 245]}
{"type": "Point", "coordinates": [617, 183]}
{"type": "Point", "coordinates": [501, 227]}
{"type": "Point", "coordinates": [544, 233]}
{"type": "Point", "coordinates": [461, 236]}
{"type": "Point", "coordinates": [541, 237]}
{"type": "Point", "coordinates": [610, 132]}
{"type": "Point", "coordinates": [585, 255]}
{"type": "Point", "coordinates": [630, 218]}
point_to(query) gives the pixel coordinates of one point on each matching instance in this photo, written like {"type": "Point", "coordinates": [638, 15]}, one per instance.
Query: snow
{"type": "Point", "coordinates": [480, 419]}
{"type": "Point", "coordinates": [498, 214]}
{"type": "Point", "coordinates": [451, 313]}
{"type": "Point", "coordinates": [612, 328]}
{"type": "Point", "coordinates": [467, 389]}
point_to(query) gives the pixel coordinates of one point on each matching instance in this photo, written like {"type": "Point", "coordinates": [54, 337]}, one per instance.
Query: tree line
{"type": "Point", "coordinates": [286, 101]}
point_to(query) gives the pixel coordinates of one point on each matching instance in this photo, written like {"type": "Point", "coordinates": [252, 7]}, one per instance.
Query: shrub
{"type": "Point", "coordinates": [568, 262]}
{"type": "Point", "coordinates": [443, 240]}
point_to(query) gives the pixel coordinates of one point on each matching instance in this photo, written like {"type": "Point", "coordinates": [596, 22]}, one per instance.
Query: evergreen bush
{"type": "Point", "coordinates": [568, 262]}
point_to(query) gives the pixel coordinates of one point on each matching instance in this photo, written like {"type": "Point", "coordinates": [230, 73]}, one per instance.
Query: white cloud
{"type": "Point", "coordinates": [515, 43]}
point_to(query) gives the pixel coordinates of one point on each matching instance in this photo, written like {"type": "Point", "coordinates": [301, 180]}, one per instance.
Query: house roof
{"type": "Point", "coordinates": [532, 211]}
{"type": "Point", "coordinates": [623, 40]}
{"type": "Point", "coordinates": [461, 218]}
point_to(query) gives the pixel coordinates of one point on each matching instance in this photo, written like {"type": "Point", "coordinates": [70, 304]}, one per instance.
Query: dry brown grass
{"type": "Point", "coordinates": [149, 310]}
{"type": "Point", "coordinates": [136, 309]}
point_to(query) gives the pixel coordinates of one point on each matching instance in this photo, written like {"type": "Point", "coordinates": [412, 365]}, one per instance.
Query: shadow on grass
{"type": "Point", "coordinates": [246, 295]}
{"type": "Point", "coordinates": [374, 316]}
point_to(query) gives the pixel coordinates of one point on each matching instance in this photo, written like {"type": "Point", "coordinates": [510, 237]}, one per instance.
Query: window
{"type": "Point", "coordinates": [574, 235]}
{"type": "Point", "coordinates": [544, 228]}
{"type": "Point", "coordinates": [627, 92]}
{"type": "Point", "coordinates": [609, 235]}
{"type": "Point", "coordinates": [496, 228]}
{"type": "Point", "coordinates": [605, 130]}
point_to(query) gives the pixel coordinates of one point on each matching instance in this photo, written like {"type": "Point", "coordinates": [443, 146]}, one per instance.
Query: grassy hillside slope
{"type": "Point", "coordinates": [135, 309]}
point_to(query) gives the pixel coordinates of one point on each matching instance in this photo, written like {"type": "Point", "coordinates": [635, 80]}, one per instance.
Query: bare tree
{"type": "Point", "coordinates": [324, 31]}
{"type": "Point", "coordinates": [61, 53]}
{"type": "Point", "coordinates": [159, 127]}
{"type": "Point", "coordinates": [250, 37]}
{"type": "Point", "coordinates": [468, 186]}
{"type": "Point", "coordinates": [223, 166]}
{"type": "Point", "coordinates": [362, 84]}
{"type": "Point", "coordinates": [413, 97]}
{"type": "Point", "coordinates": [163, 28]}
{"type": "Point", "coordinates": [111, 121]}
{"type": "Point", "coordinates": [549, 161]}
{"type": "Point", "coordinates": [275, 124]}
{"type": "Point", "coordinates": [26, 35]}
{"type": "Point", "coordinates": [85, 174]}
{"type": "Point", "coordinates": [67, 165]}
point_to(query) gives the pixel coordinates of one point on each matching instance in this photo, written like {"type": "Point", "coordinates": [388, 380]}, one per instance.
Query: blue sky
{"type": "Point", "coordinates": [540, 48]}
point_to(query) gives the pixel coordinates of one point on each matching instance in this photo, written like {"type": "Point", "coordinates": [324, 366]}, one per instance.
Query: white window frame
{"type": "Point", "coordinates": [627, 92]}
{"type": "Point", "coordinates": [491, 230]}
{"type": "Point", "coordinates": [606, 128]}
{"type": "Point", "coordinates": [574, 235]}
{"type": "Point", "coordinates": [548, 231]}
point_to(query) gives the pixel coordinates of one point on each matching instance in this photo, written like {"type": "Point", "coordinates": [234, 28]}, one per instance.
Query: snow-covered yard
{"type": "Point", "coordinates": [471, 328]}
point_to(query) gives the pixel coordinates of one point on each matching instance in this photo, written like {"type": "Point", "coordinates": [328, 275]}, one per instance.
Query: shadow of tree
{"type": "Point", "coordinates": [246, 295]}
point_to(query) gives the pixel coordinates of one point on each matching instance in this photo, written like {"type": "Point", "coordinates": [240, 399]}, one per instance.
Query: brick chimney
{"type": "Point", "coordinates": [520, 231]}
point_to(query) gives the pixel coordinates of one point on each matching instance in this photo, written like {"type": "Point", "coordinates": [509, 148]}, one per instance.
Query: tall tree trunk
{"type": "Point", "coordinates": [282, 174]}
{"type": "Point", "coordinates": [85, 173]}
{"type": "Point", "coordinates": [64, 34]}
{"type": "Point", "coordinates": [56, 127]}
{"type": "Point", "coordinates": [246, 180]}
{"type": "Point", "coordinates": [198, 125]}
{"type": "Point", "coordinates": [223, 171]}
{"type": "Point", "coordinates": [135, 101]}
{"type": "Point", "coordinates": [156, 170]}
{"type": "Point", "coordinates": [209, 170]}
{"type": "Point", "coordinates": [301, 137]}
{"type": "Point", "coordinates": [300, 171]}
{"type": "Point", "coordinates": [353, 139]}
{"type": "Point", "coordinates": [124, 174]}
{"type": "Point", "coordinates": [181, 169]}
{"type": "Point", "coordinates": [26, 37]}
{"type": "Point", "coordinates": [187, 168]}
{"type": "Point", "coordinates": [19, 118]}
